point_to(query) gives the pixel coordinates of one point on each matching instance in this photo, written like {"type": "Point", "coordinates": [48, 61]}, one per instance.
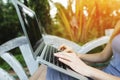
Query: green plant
{"type": "Point", "coordinates": [5, 66]}
{"type": "Point", "coordinates": [90, 19]}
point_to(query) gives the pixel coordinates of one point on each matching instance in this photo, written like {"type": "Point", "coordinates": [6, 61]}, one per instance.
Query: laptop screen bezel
{"type": "Point", "coordinates": [16, 4]}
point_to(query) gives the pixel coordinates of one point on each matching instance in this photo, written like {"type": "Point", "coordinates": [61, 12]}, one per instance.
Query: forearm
{"type": "Point", "coordinates": [102, 56]}
{"type": "Point", "coordinates": [100, 75]}
{"type": "Point", "coordinates": [96, 57]}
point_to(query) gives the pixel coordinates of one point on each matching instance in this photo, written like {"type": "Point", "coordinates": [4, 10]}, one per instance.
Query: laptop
{"type": "Point", "coordinates": [41, 51]}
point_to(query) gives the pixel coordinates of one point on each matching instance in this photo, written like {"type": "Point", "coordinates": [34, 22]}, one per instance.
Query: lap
{"type": "Point", "coordinates": [56, 75]}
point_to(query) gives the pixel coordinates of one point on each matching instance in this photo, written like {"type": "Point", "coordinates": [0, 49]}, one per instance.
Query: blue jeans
{"type": "Point", "coordinates": [56, 75]}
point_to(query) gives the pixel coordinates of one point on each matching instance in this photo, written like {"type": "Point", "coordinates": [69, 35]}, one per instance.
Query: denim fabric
{"type": "Point", "coordinates": [56, 75]}
{"type": "Point", "coordinates": [114, 66]}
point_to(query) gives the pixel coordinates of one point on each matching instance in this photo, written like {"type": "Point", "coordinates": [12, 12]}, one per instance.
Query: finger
{"type": "Point", "coordinates": [62, 47]}
{"type": "Point", "coordinates": [63, 55]}
{"type": "Point", "coordinates": [65, 61]}
{"type": "Point", "coordinates": [68, 51]}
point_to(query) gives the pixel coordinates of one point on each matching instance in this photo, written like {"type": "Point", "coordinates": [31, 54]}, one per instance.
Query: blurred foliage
{"type": "Point", "coordinates": [88, 21]}
{"type": "Point", "coordinates": [9, 23]}
{"type": "Point", "coordinates": [42, 9]}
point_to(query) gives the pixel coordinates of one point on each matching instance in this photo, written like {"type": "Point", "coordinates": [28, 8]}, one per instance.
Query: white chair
{"type": "Point", "coordinates": [5, 76]}
{"type": "Point", "coordinates": [32, 65]}
{"type": "Point", "coordinates": [21, 43]}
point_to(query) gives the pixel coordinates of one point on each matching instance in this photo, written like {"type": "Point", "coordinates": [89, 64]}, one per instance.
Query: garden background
{"type": "Point", "coordinates": [79, 20]}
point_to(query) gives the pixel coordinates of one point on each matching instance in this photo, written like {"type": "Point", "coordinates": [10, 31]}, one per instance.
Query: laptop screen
{"type": "Point", "coordinates": [31, 26]}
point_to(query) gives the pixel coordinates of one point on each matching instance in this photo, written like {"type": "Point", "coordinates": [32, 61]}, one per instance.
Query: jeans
{"type": "Point", "coordinates": [56, 75]}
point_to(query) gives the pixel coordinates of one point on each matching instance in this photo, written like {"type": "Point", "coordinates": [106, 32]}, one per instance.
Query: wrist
{"type": "Point", "coordinates": [91, 72]}
{"type": "Point", "coordinates": [88, 71]}
{"type": "Point", "coordinates": [78, 54]}
{"type": "Point", "coordinates": [85, 70]}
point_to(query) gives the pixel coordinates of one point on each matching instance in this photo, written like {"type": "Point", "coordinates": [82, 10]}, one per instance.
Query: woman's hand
{"type": "Point", "coordinates": [69, 57]}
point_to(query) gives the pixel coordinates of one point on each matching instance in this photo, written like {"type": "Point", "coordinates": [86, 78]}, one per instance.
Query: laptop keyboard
{"type": "Point", "coordinates": [49, 56]}
{"type": "Point", "coordinates": [42, 45]}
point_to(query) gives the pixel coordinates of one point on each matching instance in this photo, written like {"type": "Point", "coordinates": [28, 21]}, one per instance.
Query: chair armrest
{"type": "Point", "coordinates": [4, 75]}
{"type": "Point", "coordinates": [22, 43]}
{"type": "Point", "coordinates": [15, 65]}
{"type": "Point", "coordinates": [57, 41]}
{"type": "Point", "coordinates": [9, 45]}
{"type": "Point", "coordinates": [93, 44]}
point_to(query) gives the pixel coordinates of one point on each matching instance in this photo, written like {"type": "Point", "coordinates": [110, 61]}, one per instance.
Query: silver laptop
{"type": "Point", "coordinates": [41, 51]}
